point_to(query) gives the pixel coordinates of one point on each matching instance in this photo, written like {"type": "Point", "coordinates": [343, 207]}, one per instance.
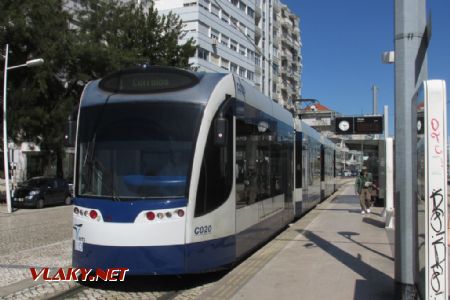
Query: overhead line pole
{"type": "Point", "coordinates": [410, 71]}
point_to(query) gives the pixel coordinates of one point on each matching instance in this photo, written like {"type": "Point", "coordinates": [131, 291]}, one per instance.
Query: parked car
{"type": "Point", "coordinates": [347, 173]}
{"type": "Point", "coordinates": [40, 191]}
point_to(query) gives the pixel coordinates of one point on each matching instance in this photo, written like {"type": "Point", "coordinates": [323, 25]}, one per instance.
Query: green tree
{"type": "Point", "coordinates": [101, 37]}
{"type": "Point", "coordinates": [115, 34]}
{"type": "Point", "coordinates": [38, 102]}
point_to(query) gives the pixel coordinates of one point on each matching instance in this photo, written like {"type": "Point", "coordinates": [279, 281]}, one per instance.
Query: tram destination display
{"type": "Point", "coordinates": [148, 80]}
{"type": "Point", "coordinates": [359, 125]}
{"type": "Point", "coordinates": [368, 125]}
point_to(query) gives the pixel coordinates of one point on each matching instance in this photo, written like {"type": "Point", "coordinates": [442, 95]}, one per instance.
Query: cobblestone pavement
{"type": "Point", "coordinates": [32, 238]}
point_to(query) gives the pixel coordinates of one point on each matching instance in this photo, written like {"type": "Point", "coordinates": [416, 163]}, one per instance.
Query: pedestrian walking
{"type": "Point", "coordinates": [363, 187]}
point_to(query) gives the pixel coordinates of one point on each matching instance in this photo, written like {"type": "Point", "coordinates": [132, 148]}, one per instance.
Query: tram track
{"type": "Point", "coordinates": [78, 291]}
{"type": "Point", "coordinates": [69, 293]}
{"type": "Point", "coordinates": [141, 287]}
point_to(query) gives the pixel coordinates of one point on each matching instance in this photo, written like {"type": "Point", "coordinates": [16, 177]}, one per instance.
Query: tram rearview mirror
{"type": "Point", "coordinates": [220, 132]}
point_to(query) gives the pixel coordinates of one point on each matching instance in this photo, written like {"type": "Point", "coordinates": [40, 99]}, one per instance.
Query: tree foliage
{"type": "Point", "coordinates": [99, 38]}
{"type": "Point", "coordinates": [37, 99]}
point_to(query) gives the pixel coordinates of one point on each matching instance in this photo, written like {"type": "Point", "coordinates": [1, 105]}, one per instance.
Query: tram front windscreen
{"type": "Point", "coordinates": [136, 150]}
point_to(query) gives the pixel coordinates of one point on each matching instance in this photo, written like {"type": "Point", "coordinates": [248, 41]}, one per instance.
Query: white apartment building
{"type": "Point", "coordinates": [281, 45]}
{"type": "Point", "coordinates": [258, 40]}
{"type": "Point", "coordinates": [224, 32]}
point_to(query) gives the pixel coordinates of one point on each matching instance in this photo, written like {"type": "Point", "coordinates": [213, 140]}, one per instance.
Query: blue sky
{"type": "Point", "coordinates": [342, 46]}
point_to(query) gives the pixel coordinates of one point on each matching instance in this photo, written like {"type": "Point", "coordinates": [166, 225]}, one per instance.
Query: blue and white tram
{"type": "Point", "coordinates": [178, 172]}
{"type": "Point", "coordinates": [315, 164]}
{"type": "Point", "coordinates": [328, 168]}
{"type": "Point", "coordinates": [308, 160]}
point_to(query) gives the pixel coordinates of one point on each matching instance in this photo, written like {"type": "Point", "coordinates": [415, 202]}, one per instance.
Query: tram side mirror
{"type": "Point", "coordinates": [220, 132]}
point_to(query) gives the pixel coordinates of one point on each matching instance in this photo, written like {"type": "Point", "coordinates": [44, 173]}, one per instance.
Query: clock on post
{"type": "Point", "coordinates": [344, 125]}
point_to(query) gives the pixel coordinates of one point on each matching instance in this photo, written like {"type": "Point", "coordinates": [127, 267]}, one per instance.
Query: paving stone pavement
{"type": "Point", "coordinates": [32, 238]}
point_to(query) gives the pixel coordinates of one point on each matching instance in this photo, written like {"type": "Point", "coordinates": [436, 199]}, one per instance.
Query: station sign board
{"type": "Point", "coordinates": [359, 125]}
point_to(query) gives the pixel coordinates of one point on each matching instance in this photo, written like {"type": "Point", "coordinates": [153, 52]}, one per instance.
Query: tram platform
{"type": "Point", "coordinates": [333, 252]}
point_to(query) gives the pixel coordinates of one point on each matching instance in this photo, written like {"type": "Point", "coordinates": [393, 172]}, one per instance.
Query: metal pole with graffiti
{"type": "Point", "coordinates": [432, 190]}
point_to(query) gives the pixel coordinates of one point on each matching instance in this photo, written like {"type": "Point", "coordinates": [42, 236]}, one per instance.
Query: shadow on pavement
{"type": "Point", "coordinates": [381, 286]}
{"type": "Point", "coordinates": [373, 222]}
{"type": "Point", "coordinates": [348, 235]}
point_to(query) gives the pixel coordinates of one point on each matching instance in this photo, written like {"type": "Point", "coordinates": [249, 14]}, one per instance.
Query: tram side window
{"type": "Point", "coordinates": [216, 176]}
{"type": "Point", "coordinates": [278, 167]}
{"type": "Point", "coordinates": [253, 160]}
{"type": "Point", "coordinates": [322, 163]}
{"type": "Point", "coordinates": [334, 163]}
{"type": "Point", "coordinates": [298, 160]}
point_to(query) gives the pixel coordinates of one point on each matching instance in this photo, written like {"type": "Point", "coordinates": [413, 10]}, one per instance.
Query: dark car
{"type": "Point", "coordinates": [40, 191]}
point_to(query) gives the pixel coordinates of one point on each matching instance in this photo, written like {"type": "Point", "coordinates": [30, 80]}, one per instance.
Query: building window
{"type": "Point", "coordinates": [250, 75]}
{"type": "Point", "coordinates": [215, 10]}
{"type": "Point", "coordinates": [243, 28]}
{"type": "Point", "coordinates": [193, 3]}
{"type": "Point", "coordinates": [233, 45]}
{"type": "Point", "coordinates": [202, 53]}
{"type": "Point", "coordinates": [233, 68]}
{"type": "Point", "coordinates": [204, 4]}
{"type": "Point", "coordinates": [242, 49]}
{"type": "Point", "coordinates": [235, 2]}
{"type": "Point", "coordinates": [275, 69]}
{"type": "Point", "coordinates": [215, 59]}
{"type": "Point", "coordinates": [250, 12]}
{"type": "Point", "coordinates": [242, 71]}
{"type": "Point", "coordinates": [225, 17]}
{"type": "Point", "coordinates": [214, 34]}
{"type": "Point", "coordinates": [234, 22]}
{"type": "Point", "coordinates": [242, 6]}
{"type": "Point", "coordinates": [203, 28]}
{"type": "Point", "coordinates": [275, 52]}
{"type": "Point", "coordinates": [257, 60]}
{"type": "Point", "coordinates": [250, 54]}
{"type": "Point", "coordinates": [225, 64]}
{"type": "Point", "coordinates": [224, 40]}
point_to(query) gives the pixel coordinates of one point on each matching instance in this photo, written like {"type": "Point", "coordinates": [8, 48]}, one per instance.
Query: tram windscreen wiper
{"type": "Point", "coordinates": [115, 195]}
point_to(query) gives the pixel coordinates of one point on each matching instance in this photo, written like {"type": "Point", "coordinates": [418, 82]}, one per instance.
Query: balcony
{"type": "Point", "coordinates": [276, 25]}
{"type": "Point", "coordinates": [258, 13]}
{"type": "Point", "coordinates": [286, 23]}
{"type": "Point", "coordinates": [258, 32]}
{"type": "Point", "coordinates": [257, 70]}
{"type": "Point", "coordinates": [276, 39]}
{"type": "Point", "coordinates": [275, 59]}
{"type": "Point", "coordinates": [276, 6]}
{"type": "Point", "coordinates": [288, 39]}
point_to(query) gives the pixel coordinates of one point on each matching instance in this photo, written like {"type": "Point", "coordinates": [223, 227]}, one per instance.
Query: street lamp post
{"type": "Point", "coordinates": [29, 63]}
